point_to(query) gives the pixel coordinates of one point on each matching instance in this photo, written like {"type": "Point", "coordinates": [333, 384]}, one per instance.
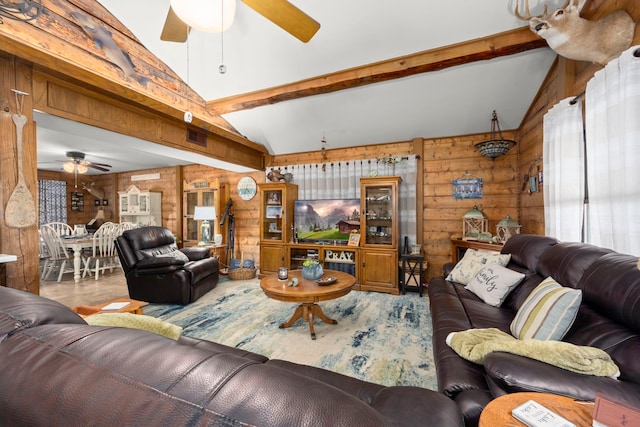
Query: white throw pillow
{"type": "Point", "coordinates": [473, 261]}
{"type": "Point", "coordinates": [493, 283]}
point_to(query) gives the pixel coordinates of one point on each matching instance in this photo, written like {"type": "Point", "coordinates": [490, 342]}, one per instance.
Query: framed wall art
{"type": "Point", "coordinates": [467, 188]}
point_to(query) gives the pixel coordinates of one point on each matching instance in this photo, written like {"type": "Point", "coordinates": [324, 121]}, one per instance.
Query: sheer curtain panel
{"type": "Point", "coordinates": [563, 165]}
{"type": "Point", "coordinates": [341, 180]}
{"type": "Point", "coordinates": [613, 154]}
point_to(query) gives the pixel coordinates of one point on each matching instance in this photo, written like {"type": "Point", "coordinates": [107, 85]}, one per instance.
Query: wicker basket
{"type": "Point", "coordinates": [242, 273]}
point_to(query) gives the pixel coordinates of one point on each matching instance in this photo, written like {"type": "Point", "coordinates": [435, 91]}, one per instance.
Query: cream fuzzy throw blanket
{"type": "Point", "coordinates": [136, 321]}
{"type": "Point", "coordinates": [476, 344]}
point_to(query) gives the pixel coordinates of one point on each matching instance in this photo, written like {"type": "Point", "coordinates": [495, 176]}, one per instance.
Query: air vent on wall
{"type": "Point", "coordinates": [196, 137]}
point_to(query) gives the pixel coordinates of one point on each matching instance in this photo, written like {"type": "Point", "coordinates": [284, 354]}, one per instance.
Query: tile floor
{"type": "Point", "coordinates": [87, 291]}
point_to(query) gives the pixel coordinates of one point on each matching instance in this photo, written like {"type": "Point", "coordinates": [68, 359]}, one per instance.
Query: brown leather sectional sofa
{"type": "Point", "coordinates": [608, 318]}
{"type": "Point", "coordinates": [59, 371]}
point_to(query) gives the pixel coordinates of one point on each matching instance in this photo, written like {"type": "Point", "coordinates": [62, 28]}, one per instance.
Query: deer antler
{"type": "Point", "coordinates": [528, 15]}
{"type": "Point", "coordinates": [581, 39]}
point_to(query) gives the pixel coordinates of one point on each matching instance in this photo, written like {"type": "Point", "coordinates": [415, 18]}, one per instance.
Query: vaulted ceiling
{"type": "Point", "coordinates": [375, 72]}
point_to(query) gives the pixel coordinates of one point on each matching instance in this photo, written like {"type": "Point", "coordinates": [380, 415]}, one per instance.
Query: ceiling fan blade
{"type": "Point", "coordinates": [100, 164]}
{"type": "Point", "coordinates": [174, 30]}
{"type": "Point", "coordinates": [95, 166]}
{"type": "Point", "coordinates": [286, 16]}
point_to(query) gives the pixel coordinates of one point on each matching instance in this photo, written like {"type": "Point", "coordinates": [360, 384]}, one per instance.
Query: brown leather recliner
{"type": "Point", "coordinates": [157, 271]}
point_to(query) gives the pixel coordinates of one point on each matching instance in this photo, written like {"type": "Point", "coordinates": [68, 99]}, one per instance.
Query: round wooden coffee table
{"type": "Point", "coordinates": [308, 293]}
{"type": "Point", "coordinates": [498, 411]}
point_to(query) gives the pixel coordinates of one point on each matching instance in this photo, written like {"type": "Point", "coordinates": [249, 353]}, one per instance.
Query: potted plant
{"type": "Point", "coordinates": [311, 269]}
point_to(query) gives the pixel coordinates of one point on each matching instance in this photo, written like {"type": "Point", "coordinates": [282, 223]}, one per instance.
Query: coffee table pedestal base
{"type": "Point", "coordinates": [306, 311]}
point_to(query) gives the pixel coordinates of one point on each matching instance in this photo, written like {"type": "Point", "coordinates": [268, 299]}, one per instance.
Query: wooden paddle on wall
{"type": "Point", "coordinates": [21, 208]}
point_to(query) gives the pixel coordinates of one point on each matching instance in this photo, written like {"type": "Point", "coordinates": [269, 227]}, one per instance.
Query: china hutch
{"type": "Point", "coordinates": [140, 207]}
{"type": "Point", "coordinates": [379, 228]}
{"type": "Point", "coordinates": [276, 219]}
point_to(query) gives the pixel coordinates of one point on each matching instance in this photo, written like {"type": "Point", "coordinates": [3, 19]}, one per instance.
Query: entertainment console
{"type": "Point", "coordinates": [372, 260]}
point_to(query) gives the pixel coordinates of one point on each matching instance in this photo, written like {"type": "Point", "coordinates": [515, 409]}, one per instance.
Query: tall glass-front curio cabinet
{"type": "Point", "coordinates": [379, 228]}
{"type": "Point", "coordinates": [276, 218]}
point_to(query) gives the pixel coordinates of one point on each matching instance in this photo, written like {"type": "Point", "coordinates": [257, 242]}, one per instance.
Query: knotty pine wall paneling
{"type": "Point", "coordinates": [446, 159]}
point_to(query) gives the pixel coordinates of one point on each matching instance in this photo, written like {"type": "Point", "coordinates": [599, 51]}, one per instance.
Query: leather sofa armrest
{"type": "Point", "coordinates": [195, 253]}
{"type": "Point", "coordinates": [509, 373]}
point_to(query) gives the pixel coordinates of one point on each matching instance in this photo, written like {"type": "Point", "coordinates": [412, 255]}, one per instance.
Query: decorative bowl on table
{"type": "Point", "coordinates": [324, 281]}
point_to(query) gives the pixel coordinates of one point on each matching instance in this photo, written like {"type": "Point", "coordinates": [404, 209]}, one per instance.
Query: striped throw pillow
{"type": "Point", "coordinates": [547, 313]}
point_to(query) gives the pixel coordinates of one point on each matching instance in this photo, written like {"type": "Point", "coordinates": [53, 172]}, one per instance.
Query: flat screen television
{"type": "Point", "coordinates": [325, 221]}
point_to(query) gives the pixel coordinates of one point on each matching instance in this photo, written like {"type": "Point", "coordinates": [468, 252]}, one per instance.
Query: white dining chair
{"type": "Point", "coordinates": [62, 228]}
{"type": "Point", "coordinates": [58, 254]}
{"type": "Point", "coordinates": [103, 253]}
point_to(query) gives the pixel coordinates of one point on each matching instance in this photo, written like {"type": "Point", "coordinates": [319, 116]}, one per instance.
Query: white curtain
{"type": "Point", "coordinates": [341, 180]}
{"type": "Point", "coordinates": [613, 154]}
{"type": "Point", "coordinates": [563, 166]}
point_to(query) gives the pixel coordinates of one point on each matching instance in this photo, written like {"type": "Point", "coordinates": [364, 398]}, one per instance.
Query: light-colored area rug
{"type": "Point", "coordinates": [379, 338]}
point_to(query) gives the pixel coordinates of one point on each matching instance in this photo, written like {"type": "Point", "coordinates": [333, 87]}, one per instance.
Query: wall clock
{"type": "Point", "coordinates": [247, 188]}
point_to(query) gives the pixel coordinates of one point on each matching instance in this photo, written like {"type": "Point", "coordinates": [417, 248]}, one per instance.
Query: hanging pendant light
{"type": "Point", "coordinates": [496, 146]}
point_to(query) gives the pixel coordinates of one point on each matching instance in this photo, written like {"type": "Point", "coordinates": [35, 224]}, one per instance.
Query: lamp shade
{"type": "Point", "coordinates": [204, 213]}
{"type": "Point", "coordinates": [206, 15]}
{"type": "Point", "coordinates": [496, 146]}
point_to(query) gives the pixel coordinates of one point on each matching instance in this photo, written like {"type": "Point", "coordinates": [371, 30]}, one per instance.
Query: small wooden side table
{"type": "Point", "coordinates": [134, 307]}
{"type": "Point", "coordinates": [498, 411]}
{"type": "Point", "coordinates": [412, 270]}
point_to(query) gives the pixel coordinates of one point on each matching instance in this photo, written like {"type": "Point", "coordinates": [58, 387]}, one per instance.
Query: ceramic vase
{"type": "Point", "coordinates": [313, 272]}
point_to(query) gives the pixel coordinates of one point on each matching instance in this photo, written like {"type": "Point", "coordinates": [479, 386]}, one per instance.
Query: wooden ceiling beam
{"type": "Point", "coordinates": [482, 49]}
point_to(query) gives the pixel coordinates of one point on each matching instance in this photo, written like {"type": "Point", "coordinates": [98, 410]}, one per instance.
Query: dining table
{"type": "Point", "coordinates": [77, 244]}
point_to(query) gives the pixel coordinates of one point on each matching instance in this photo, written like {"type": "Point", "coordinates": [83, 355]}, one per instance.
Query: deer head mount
{"type": "Point", "coordinates": [90, 187]}
{"type": "Point", "coordinates": [580, 39]}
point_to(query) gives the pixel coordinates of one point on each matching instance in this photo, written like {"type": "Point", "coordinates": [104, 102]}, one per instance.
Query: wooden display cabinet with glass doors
{"type": "Point", "coordinates": [379, 228]}
{"type": "Point", "coordinates": [276, 219]}
{"type": "Point", "coordinates": [203, 193]}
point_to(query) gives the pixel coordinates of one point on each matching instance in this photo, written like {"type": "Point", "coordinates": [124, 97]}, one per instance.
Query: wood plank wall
{"type": "Point", "coordinates": [446, 159]}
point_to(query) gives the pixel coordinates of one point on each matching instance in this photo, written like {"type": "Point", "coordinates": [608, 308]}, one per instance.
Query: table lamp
{"type": "Point", "coordinates": [204, 214]}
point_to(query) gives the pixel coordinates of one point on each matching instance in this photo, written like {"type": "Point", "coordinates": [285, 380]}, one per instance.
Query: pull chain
{"type": "Point", "coordinates": [222, 68]}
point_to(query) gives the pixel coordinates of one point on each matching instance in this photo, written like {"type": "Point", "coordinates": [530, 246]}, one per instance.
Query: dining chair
{"type": "Point", "coordinates": [62, 228]}
{"type": "Point", "coordinates": [58, 254]}
{"type": "Point", "coordinates": [103, 253]}
{"type": "Point", "coordinates": [44, 254]}
{"type": "Point", "coordinates": [125, 225]}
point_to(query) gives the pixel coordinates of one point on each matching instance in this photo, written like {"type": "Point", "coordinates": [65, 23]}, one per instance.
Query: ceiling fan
{"type": "Point", "coordinates": [76, 163]}
{"type": "Point", "coordinates": [280, 12]}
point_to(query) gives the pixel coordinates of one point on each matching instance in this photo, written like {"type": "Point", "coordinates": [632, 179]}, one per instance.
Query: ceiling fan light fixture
{"type": "Point", "coordinates": [82, 168]}
{"type": "Point", "coordinates": [205, 15]}
{"type": "Point", "coordinates": [495, 146]}
{"type": "Point", "coordinates": [69, 167]}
